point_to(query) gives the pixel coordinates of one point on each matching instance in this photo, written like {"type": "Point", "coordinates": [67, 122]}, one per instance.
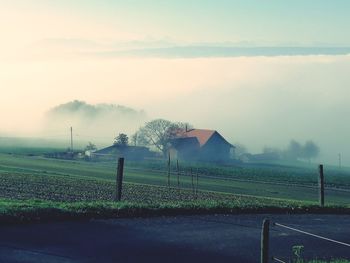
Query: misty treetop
{"type": "Point", "coordinates": [90, 110]}
{"type": "Point", "coordinates": [296, 150]}
{"type": "Point", "coordinates": [307, 151]}
{"type": "Point", "coordinates": [92, 122]}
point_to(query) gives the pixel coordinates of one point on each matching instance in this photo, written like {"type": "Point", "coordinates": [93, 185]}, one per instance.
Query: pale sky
{"type": "Point", "coordinates": [262, 22]}
{"type": "Point", "coordinates": [55, 51]}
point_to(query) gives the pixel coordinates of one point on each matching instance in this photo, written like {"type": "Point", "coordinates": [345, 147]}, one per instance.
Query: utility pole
{"type": "Point", "coordinates": [339, 159]}
{"type": "Point", "coordinates": [71, 139]}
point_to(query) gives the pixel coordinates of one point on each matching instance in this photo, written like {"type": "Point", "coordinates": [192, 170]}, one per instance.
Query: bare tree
{"type": "Point", "coordinates": [90, 147]}
{"type": "Point", "coordinates": [158, 133]}
{"type": "Point", "coordinates": [240, 150]}
{"type": "Point", "coordinates": [134, 139]}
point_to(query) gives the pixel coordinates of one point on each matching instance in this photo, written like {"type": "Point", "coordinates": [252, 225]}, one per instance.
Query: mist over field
{"type": "Point", "coordinates": [255, 101]}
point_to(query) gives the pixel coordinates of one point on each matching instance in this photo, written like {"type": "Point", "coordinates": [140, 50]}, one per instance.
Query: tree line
{"type": "Point", "coordinates": [293, 152]}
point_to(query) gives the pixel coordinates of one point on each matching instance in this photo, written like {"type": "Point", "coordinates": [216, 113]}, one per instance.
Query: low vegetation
{"type": "Point", "coordinates": [52, 197]}
{"type": "Point", "coordinates": [15, 211]}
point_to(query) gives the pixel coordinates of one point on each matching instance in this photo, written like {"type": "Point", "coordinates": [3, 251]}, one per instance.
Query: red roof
{"type": "Point", "coordinates": [202, 135]}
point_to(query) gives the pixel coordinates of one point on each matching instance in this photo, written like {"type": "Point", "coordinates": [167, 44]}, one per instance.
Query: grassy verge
{"type": "Point", "coordinates": [323, 261]}
{"type": "Point", "coordinates": [12, 211]}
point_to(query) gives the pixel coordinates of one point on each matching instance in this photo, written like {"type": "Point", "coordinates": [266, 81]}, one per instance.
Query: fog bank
{"type": "Point", "coordinates": [256, 101]}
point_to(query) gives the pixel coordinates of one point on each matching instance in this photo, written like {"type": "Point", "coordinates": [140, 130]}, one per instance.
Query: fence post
{"type": "Point", "coordinates": [178, 174]}
{"type": "Point", "coordinates": [197, 175]}
{"type": "Point", "coordinates": [192, 183]}
{"type": "Point", "coordinates": [120, 171]}
{"type": "Point", "coordinates": [265, 241]}
{"type": "Point", "coordinates": [169, 170]}
{"type": "Point", "coordinates": [321, 185]}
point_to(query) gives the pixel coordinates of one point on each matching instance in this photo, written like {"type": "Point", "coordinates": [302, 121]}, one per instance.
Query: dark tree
{"type": "Point", "coordinates": [294, 150]}
{"type": "Point", "coordinates": [310, 150]}
{"type": "Point", "coordinates": [122, 140]}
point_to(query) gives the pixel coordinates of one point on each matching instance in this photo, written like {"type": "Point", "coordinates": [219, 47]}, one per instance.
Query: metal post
{"type": "Point", "coordinates": [321, 185]}
{"type": "Point", "coordinates": [120, 171]}
{"type": "Point", "coordinates": [265, 241]}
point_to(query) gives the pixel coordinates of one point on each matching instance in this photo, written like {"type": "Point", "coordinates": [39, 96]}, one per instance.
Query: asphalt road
{"type": "Point", "coordinates": [214, 238]}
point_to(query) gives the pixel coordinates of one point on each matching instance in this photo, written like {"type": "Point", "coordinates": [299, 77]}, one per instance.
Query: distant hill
{"type": "Point", "coordinates": [93, 111]}
{"type": "Point", "coordinates": [100, 122]}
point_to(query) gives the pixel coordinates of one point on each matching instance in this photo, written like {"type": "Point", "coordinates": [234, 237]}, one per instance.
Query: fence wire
{"type": "Point", "coordinates": [278, 260]}
{"type": "Point", "coordinates": [310, 234]}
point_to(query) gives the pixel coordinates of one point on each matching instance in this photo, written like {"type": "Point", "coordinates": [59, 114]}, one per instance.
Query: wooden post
{"type": "Point", "coordinates": [178, 174]}
{"type": "Point", "coordinates": [169, 170]}
{"type": "Point", "coordinates": [265, 241]}
{"type": "Point", "coordinates": [120, 171]}
{"type": "Point", "coordinates": [192, 180]}
{"type": "Point", "coordinates": [71, 141]}
{"type": "Point", "coordinates": [321, 185]}
{"type": "Point", "coordinates": [197, 181]}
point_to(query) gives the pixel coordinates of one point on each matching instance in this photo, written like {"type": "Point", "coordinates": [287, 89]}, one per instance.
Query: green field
{"type": "Point", "coordinates": [23, 176]}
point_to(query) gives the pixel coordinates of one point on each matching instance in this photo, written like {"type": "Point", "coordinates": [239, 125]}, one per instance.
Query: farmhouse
{"type": "Point", "coordinates": [201, 145]}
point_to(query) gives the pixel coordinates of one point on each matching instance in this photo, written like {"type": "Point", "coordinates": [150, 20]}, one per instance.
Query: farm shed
{"type": "Point", "coordinates": [201, 145]}
{"type": "Point", "coordinates": [129, 152]}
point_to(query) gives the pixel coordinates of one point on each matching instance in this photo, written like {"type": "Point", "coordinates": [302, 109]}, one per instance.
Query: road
{"type": "Point", "coordinates": [212, 238]}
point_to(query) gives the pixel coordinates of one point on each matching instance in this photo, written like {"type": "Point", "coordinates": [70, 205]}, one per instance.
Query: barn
{"type": "Point", "coordinates": [201, 145]}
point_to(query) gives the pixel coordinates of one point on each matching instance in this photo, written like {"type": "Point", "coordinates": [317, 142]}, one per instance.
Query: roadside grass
{"type": "Point", "coordinates": [21, 211]}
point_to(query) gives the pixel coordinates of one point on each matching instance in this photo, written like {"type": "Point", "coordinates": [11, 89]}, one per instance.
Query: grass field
{"type": "Point", "coordinates": [24, 176]}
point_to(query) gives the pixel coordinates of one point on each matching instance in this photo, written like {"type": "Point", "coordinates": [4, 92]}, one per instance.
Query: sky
{"type": "Point", "coordinates": [174, 59]}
